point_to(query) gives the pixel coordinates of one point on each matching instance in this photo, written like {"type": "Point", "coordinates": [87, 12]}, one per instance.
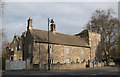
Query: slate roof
{"type": "Point", "coordinates": [57, 38]}
{"type": "Point", "coordinates": [16, 38]}
{"type": "Point", "coordinates": [83, 32]}
{"type": "Point", "coordinates": [84, 35]}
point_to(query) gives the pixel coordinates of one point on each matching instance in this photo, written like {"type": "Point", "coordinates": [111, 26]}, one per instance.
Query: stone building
{"type": "Point", "coordinates": [93, 39]}
{"type": "Point", "coordinates": [15, 48]}
{"type": "Point", "coordinates": [64, 49]}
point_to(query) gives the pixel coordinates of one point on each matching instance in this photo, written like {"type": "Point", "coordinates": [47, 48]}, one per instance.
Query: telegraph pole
{"type": "Point", "coordinates": [48, 47]}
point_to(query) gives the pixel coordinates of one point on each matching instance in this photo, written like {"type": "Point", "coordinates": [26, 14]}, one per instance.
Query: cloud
{"type": "Point", "coordinates": [70, 17]}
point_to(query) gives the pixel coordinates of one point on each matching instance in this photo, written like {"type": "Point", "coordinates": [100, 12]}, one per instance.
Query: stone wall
{"type": "Point", "coordinates": [68, 66]}
{"type": "Point", "coordinates": [28, 46]}
{"type": "Point", "coordinates": [59, 54]}
{"type": "Point", "coordinates": [94, 40]}
{"type": "Point", "coordinates": [73, 66]}
{"type": "Point", "coordinates": [17, 55]}
{"type": "Point", "coordinates": [40, 53]}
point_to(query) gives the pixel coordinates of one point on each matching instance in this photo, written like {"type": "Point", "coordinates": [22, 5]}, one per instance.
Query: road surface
{"type": "Point", "coordinates": [107, 71]}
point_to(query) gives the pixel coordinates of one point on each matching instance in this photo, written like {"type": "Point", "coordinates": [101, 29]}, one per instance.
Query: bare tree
{"type": "Point", "coordinates": [103, 22]}
{"type": "Point", "coordinates": [3, 37]}
{"type": "Point", "coordinates": [1, 7]}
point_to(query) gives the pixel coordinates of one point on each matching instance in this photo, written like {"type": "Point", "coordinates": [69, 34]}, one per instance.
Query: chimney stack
{"type": "Point", "coordinates": [29, 27]}
{"type": "Point", "coordinates": [52, 26]}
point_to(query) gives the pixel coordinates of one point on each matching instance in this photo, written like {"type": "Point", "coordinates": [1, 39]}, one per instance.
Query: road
{"type": "Point", "coordinates": [111, 71]}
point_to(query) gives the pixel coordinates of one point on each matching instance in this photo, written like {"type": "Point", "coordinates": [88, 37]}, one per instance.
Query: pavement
{"type": "Point", "coordinates": [107, 71]}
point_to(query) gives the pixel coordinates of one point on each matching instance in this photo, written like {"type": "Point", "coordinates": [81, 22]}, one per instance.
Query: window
{"type": "Point", "coordinates": [66, 54]}
{"type": "Point", "coordinates": [67, 61]}
{"type": "Point", "coordinates": [66, 50]}
{"type": "Point", "coordinates": [14, 42]}
{"type": "Point", "coordinates": [11, 49]}
{"type": "Point", "coordinates": [77, 60]}
{"type": "Point", "coordinates": [11, 58]}
{"type": "Point", "coordinates": [20, 47]}
{"type": "Point", "coordinates": [16, 48]}
{"type": "Point", "coordinates": [51, 61]}
{"type": "Point", "coordinates": [94, 41]}
{"type": "Point", "coordinates": [51, 49]}
{"type": "Point", "coordinates": [30, 49]}
{"type": "Point", "coordinates": [82, 52]}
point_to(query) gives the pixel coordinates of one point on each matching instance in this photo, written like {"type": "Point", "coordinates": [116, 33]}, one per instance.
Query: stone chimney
{"type": "Point", "coordinates": [29, 27]}
{"type": "Point", "coordinates": [52, 26]}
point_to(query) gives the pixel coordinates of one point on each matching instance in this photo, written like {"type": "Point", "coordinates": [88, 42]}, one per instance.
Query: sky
{"type": "Point", "coordinates": [70, 17]}
{"type": "Point", "coordinates": [62, 0]}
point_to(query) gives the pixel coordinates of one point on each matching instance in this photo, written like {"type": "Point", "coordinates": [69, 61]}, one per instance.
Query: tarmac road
{"type": "Point", "coordinates": [88, 72]}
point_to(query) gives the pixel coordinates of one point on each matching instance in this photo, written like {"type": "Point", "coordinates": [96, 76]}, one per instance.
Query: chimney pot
{"type": "Point", "coordinates": [29, 23]}
{"type": "Point", "coordinates": [52, 26]}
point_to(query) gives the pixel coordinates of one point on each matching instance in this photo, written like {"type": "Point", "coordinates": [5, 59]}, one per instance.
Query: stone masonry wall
{"type": "Point", "coordinates": [60, 54]}
{"type": "Point", "coordinates": [94, 40]}
{"type": "Point", "coordinates": [68, 66]}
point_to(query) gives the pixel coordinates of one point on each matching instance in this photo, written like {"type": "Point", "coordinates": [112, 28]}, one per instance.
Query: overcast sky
{"type": "Point", "coordinates": [70, 17]}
